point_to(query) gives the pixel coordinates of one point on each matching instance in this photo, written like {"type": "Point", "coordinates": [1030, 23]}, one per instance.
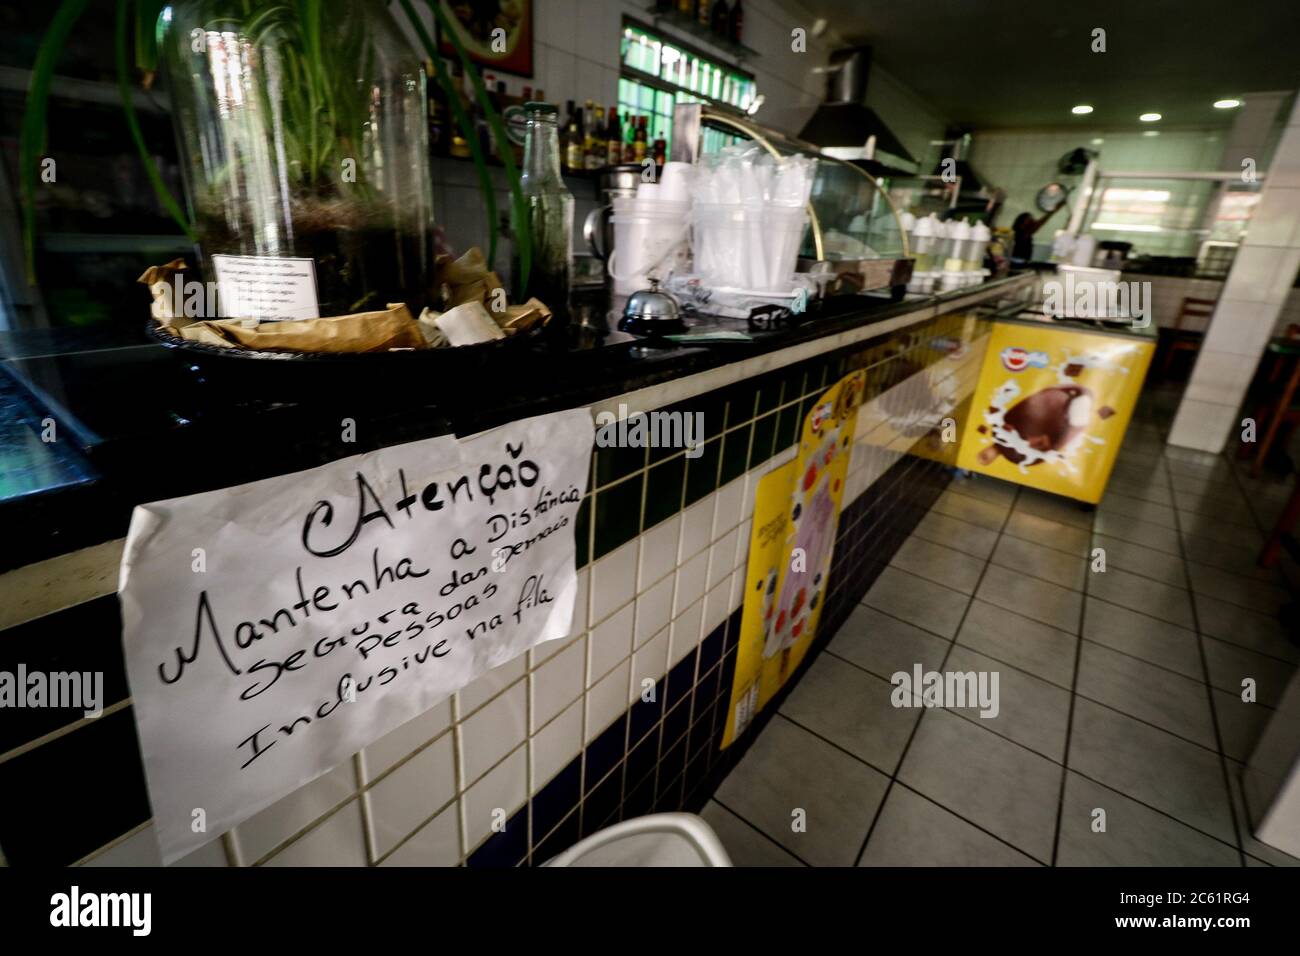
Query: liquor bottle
{"type": "Point", "coordinates": [703, 10]}
{"type": "Point", "coordinates": [629, 136]}
{"type": "Point", "coordinates": [686, 7]}
{"type": "Point", "coordinates": [720, 20]}
{"type": "Point", "coordinates": [613, 139]}
{"type": "Point", "coordinates": [596, 144]}
{"type": "Point", "coordinates": [574, 157]}
{"type": "Point", "coordinates": [439, 140]}
{"type": "Point", "coordinates": [659, 154]}
{"type": "Point", "coordinates": [459, 143]}
{"type": "Point", "coordinates": [549, 208]}
{"type": "Point", "coordinates": [639, 144]}
{"type": "Point", "coordinates": [736, 23]}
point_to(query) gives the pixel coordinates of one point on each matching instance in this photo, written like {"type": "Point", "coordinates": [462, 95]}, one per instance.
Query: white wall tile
{"type": "Point", "coordinates": [392, 747]}
{"type": "Point", "coordinates": [336, 842]}
{"type": "Point", "coordinates": [492, 732]}
{"type": "Point", "coordinates": [717, 605]}
{"type": "Point", "coordinates": [1275, 220]}
{"type": "Point", "coordinates": [142, 850]}
{"type": "Point", "coordinates": [437, 843]}
{"type": "Point", "coordinates": [556, 21]}
{"type": "Point", "coordinates": [659, 551]}
{"type": "Point", "coordinates": [607, 700]}
{"type": "Point", "coordinates": [685, 633]}
{"type": "Point", "coordinates": [1203, 426]}
{"type": "Point", "coordinates": [610, 642]}
{"type": "Point", "coordinates": [1220, 377]}
{"type": "Point", "coordinates": [1252, 273]}
{"type": "Point", "coordinates": [487, 686]}
{"type": "Point", "coordinates": [412, 793]}
{"type": "Point", "coordinates": [265, 830]}
{"type": "Point", "coordinates": [504, 790]}
{"type": "Point", "coordinates": [729, 507]}
{"type": "Point", "coordinates": [697, 527]}
{"type": "Point", "coordinates": [654, 609]}
{"type": "Point", "coordinates": [722, 557]}
{"type": "Point", "coordinates": [691, 578]}
{"type": "Point", "coordinates": [613, 580]}
{"type": "Point", "coordinates": [1235, 326]}
{"type": "Point", "coordinates": [649, 663]}
{"type": "Point", "coordinates": [556, 744]}
{"type": "Point", "coordinates": [558, 682]}
{"type": "Point", "coordinates": [1284, 170]}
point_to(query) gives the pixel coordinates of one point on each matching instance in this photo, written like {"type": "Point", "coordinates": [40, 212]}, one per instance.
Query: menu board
{"type": "Point", "coordinates": [274, 629]}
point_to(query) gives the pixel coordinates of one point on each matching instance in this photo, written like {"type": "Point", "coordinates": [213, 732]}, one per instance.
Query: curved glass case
{"type": "Point", "coordinates": [851, 217]}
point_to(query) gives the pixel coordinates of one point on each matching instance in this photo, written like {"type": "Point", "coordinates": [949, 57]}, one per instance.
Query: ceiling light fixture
{"type": "Point", "coordinates": [1226, 104]}
{"type": "Point", "coordinates": [1081, 110]}
{"type": "Point", "coordinates": [1149, 117]}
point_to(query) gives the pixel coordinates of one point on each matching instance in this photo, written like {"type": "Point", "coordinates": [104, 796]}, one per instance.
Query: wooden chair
{"type": "Point", "coordinates": [1190, 309]}
{"type": "Point", "coordinates": [1279, 410]}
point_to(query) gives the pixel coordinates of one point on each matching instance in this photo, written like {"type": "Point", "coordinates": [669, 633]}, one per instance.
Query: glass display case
{"type": "Point", "coordinates": [1176, 223]}
{"type": "Point", "coordinates": [854, 230]}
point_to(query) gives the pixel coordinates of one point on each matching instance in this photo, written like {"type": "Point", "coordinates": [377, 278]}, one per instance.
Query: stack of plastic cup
{"type": "Point", "coordinates": [749, 218]}
{"type": "Point", "coordinates": [650, 235]}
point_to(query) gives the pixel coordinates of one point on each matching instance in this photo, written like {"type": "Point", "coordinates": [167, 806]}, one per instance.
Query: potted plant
{"type": "Point", "coordinates": [302, 133]}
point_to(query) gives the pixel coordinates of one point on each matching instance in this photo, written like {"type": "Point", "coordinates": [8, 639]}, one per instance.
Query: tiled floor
{"type": "Point", "coordinates": [1119, 690]}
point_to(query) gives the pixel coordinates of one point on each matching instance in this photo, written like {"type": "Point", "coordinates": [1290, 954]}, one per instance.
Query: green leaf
{"type": "Point", "coordinates": [463, 121]}
{"type": "Point", "coordinates": [523, 238]}
{"type": "Point", "coordinates": [147, 32]}
{"type": "Point", "coordinates": [120, 38]}
{"type": "Point", "coordinates": [32, 139]}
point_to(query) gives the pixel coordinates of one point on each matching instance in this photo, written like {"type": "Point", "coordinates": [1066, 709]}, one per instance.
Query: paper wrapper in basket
{"type": "Point", "coordinates": [467, 280]}
{"type": "Point", "coordinates": [392, 328]}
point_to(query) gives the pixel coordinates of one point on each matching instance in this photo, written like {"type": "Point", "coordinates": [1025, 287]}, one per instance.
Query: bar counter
{"type": "Point", "coordinates": [661, 548]}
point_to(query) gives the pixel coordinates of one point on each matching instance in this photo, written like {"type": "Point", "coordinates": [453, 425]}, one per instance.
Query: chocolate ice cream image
{"type": "Point", "coordinates": [1048, 425]}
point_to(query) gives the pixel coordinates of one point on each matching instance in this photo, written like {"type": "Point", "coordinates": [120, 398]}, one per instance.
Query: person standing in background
{"type": "Point", "coordinates": [1023, 228]}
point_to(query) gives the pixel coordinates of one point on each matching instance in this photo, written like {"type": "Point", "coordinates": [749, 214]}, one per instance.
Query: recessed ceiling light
{"type": "Point", "coordinates": [1226, 104]}
{"type": "Point", "coordinates": [1096, 142]}
{"type": "Point", "coordinates": [1149, 117]}
{"type": "Point", "coordinates": [1081, 110]}
{"type": "Point", "coordinates": [1152, 132]}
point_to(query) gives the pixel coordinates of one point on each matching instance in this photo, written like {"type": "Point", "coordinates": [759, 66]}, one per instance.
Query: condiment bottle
{"type": "Point", "coordinates": [549, 208]}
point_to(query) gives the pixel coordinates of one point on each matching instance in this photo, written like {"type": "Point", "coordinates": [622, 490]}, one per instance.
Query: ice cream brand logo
{"type": "Point", "coordinates": [1017, 359]}
{"type": "Point", "coordinates": [819, 416]}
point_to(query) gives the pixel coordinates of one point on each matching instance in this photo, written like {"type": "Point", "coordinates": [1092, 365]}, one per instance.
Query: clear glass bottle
{"type": "Point", "coordinates": [550, 213]}
{"type": "Point", "coordinates": [303, 134]}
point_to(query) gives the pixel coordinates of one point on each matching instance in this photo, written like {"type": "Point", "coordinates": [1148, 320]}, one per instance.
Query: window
{"type": "Point", "coordinates": [657, 74]}
{"type": "Point", "coordinates": [1132, 210]}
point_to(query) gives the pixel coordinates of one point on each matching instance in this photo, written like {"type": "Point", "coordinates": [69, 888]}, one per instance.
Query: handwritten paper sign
{"type": "Point", "coordinates": [274, 629]}
{"type": "Point", "coordinates": [271, 288]}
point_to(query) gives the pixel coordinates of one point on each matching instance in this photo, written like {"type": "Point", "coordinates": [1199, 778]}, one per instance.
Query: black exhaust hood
{"type": "Point", "coordinates": [845, 127]}
{"type": "Point", "coordinates": [952, 162]}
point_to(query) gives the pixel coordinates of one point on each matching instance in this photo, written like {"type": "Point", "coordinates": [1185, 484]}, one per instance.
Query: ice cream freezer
{"type": "Point", "coordinates": [1054, 399]}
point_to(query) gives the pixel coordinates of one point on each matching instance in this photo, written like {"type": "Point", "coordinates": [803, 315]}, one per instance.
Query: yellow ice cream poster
{"type": "Point", "coordinates": [796, 513]}
{"type": "Point", "coordinates": [1052, 406]}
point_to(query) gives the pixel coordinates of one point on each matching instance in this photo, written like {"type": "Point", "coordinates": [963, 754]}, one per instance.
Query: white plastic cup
{"type": "Point", "coordinates": [675, 182]}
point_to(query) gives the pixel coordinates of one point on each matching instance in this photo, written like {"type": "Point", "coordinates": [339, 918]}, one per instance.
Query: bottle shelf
{"type": "Point", "coordinates": [687, 23]}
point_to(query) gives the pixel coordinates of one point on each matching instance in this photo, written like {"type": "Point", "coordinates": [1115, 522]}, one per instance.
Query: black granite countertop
{"type": "Point", "coordinates": [135, 422]}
